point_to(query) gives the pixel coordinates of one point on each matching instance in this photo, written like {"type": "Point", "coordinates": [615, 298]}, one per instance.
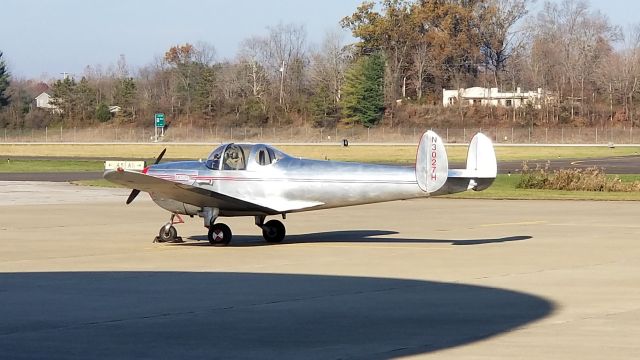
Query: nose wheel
{"type": "Point", "coordinates": [168, 232]}
{"type": "Point", "coordinates": [219, 234]}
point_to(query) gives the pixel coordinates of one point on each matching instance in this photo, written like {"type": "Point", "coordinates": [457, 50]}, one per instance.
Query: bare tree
{"type": "Point", "coordinates": [122, 68]}
{"type": "Point", "coordinates": [204, 53]}
{"type": "Point", "coordinates": [499, 38]}
{"type": "Point", "coordinates": [620, 75]}
{"type": "Point", "coordinates": [573, 41]}
{"type": "Point", "coordinates": [329, 63]}
{"type": "Point", "coordinates": [249, 56]}
{"type": "Point", "coordinates": [285, 53]}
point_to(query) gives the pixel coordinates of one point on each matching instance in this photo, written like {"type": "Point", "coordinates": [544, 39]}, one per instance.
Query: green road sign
{"type": "Point", "coordinates": [160, 120]}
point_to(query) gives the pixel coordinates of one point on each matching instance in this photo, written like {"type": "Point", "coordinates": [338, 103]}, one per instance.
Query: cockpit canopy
{"type": "Point", "coordinates": [242, 156]}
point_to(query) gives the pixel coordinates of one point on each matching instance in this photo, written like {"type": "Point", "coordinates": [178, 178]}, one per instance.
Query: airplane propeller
{"type": "Point", "coordinates": [135, 192]}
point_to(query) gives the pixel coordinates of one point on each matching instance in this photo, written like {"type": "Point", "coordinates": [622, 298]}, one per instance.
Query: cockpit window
{"type": "Point", "coordinates": [264, 157]}
{"type": "Point", "coordinates": [213, 161]}
{"type": "Point", "coordinates": [242, 156]}
{"type": "Point", "coordinates": [234, 158]}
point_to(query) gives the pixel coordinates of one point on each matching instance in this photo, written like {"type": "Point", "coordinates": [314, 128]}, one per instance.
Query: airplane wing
{"type": "Point", "coordinates": [184, 193]}
{"type": "Point", "coordinates": [202, 197]}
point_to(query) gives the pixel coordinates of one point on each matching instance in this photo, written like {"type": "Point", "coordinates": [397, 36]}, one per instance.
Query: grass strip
{"type": "Point", "coordinates": [41, 166]}
{"type": "Point", "coordinates": [504, 188]}
{"type": "Point", "coordinates": [398, 154]}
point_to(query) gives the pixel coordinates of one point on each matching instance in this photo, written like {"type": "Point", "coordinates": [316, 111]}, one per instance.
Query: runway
{"type": "Point", "coordinates": [611, 165]}
{"type": "Point", "coordinates": [439, 278]}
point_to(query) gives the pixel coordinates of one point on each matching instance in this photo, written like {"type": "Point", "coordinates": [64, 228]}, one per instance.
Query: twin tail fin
{"type": "Point", "coordinates": [432, 166]}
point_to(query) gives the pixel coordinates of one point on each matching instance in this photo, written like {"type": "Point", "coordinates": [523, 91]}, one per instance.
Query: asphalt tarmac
{"type": "Point", "coordinates": [438, 278]}
{"type": "Point", "coordinates": [611, 165]}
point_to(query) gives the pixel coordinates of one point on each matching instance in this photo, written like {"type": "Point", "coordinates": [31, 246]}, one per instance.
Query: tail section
{"type": "Point", "coordinates": [481, 161]}
{"type": "Point", "coordinates": [432, 167]}
{"type": "Point", "coordinates": [481, 170]}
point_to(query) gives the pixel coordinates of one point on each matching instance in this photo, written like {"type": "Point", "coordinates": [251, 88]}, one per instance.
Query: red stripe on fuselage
{"type": "Point", "coordinates": [185, 177]}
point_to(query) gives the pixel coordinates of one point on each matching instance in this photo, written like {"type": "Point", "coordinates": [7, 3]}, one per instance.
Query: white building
{"type": "Point", "coordinates": [493, 97]}
{"type": "Point", "coordinates": [43, 101]}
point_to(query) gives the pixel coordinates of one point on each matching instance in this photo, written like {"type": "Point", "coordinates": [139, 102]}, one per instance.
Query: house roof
{"type": "Point", "coordinates": [43, 95]}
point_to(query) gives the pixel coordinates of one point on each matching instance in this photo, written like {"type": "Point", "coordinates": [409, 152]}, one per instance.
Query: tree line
{"type": "Point", "coordinates": [406, 52]}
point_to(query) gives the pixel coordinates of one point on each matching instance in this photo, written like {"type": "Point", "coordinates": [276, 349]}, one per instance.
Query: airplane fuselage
{"type": "Point", "coordinates": [326, 184]}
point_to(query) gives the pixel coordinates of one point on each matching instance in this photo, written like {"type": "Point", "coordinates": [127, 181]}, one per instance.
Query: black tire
{"type": "Point", "coordinates": [167, 235]}
{"type": "Point", "coordinates": [273, 231]}
{"type": "Point", "coordinates": [219, 234]}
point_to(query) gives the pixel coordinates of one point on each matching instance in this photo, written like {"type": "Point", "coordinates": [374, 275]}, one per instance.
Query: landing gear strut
{"type": "Point", "coordinates": [273, 231]}
{"type": "Point", "coordinates": [168, 232]}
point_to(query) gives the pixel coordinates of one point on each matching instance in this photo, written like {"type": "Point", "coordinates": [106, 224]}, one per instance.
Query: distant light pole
{"type": "Point", "coordinates": [282, 82]}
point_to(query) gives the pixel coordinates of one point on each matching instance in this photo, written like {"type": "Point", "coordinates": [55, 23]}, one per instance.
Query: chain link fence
{"type": "Point", "coordinates": [318, 135]}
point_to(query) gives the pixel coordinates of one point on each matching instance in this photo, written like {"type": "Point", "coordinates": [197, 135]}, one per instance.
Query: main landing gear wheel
{"type": "Point", "coordinates": [219, 234]}
{"type": "Point", "coordinates": [273, 231]}
{"type": "Point", "coordinates": [167, 234]}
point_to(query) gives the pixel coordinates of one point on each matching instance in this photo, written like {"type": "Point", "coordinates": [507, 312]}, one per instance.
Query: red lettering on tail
{"type": "Point", "coordinates": [434, 159]}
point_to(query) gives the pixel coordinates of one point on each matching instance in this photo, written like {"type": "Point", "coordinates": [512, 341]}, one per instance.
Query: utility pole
{"type": "Point", "coordinates": [611, 102]}
{"type": "Point", "coordinates": [282, 82]}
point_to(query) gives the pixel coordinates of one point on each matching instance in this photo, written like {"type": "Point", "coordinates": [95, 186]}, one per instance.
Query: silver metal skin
{"type": "Point", "coordinates": [289, 184]}
{"type": "Point", "coordinates": [259, 180]}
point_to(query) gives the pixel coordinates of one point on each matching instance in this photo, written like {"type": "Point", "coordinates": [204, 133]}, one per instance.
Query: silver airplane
{"type": "Point", "coordinates": [258, 180]}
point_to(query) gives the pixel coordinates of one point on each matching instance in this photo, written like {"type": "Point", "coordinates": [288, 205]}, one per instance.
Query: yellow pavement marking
{"type": "Point", "coordinates": [516, 223]}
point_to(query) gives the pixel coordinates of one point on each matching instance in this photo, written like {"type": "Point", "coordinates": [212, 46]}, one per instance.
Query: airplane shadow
{"type": "Point", "coordinates": [178, 315]}
{"type": "Point", "coordinates": [352, 236]}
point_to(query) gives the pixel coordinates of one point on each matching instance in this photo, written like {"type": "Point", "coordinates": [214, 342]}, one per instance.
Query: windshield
{"type": "Point", "coordinates": [236, 156]}
{"type": "Point", "coordinates": [213, 161]}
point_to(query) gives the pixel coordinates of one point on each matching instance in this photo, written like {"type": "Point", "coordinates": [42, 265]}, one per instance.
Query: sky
{"type": "Point", "coordinates": [42, 39]}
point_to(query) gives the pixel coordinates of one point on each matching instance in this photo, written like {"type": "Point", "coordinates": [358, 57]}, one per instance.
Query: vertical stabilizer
{"type": "Point", "coordinates": [481, 157]}
{"type": "Point", "coordinates": [432, 165]}
{"type": "Point", "coordinates": [481, 168]}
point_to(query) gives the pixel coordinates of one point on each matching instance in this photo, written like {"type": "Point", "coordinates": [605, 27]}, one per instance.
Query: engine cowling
{"type": "Point", "coordinates": [176, 207]}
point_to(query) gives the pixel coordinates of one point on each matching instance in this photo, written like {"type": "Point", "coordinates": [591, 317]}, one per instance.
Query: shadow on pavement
{"type": "Point", "coordinates": [246, 315]}
{"type": "Point", "coordinates": [351, 236]}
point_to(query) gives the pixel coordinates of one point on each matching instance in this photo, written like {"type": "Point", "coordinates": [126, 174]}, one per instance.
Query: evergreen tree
{"type": "Point", "coordinates": [363, 91]}
{"type": "Point", "coordinates": [204, 91]}
{"type": "Point", "coordinates": [125, 96]}
{"type": "Point", "coordinates": [323, 107]}
{"type": "Point", "coordinates": [86, 97]}
{"type": "Point", "coordinates": [102, 113]}
{"type": "Point", "coordinates": [4, 83]}
{"type": "Point", "coordinates": [64, 97]}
